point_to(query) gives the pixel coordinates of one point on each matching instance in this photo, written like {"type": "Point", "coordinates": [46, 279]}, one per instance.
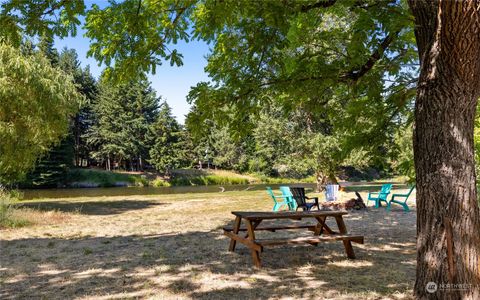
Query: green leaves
{"type": "Point", "coordinates": [350, 64]}
{"type": "Point", "coordinates": [39, 18]}
{"type": "Point", "coordinates": [175, 58]}
{"type": "Point", "coordinates": [135, 36]}
{"type": "Point", "coordinates": [36, 102]}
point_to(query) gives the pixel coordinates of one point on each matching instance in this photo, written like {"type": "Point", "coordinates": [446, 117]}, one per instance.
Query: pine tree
{"type": "Point", "coordinates": [87, 86]}
{"type": "Point", "coordinates": [51, 169]}
{"type": "Point", "coordinates": [123, 115]}
{"type": "Point", "coordinates": [46, 48]}
{"type": "Point", "coordinates": [168, 150]}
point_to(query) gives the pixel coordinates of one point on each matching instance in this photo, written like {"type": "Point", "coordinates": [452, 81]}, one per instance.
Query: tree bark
{"type": "Point", "coordinates": [448, 214]}
{"type": "Point", "coordinates": [323, 179]}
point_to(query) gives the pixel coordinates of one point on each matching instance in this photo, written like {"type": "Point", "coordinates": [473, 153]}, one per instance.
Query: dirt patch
{"type": "Point", "coordinates": [172, 247]}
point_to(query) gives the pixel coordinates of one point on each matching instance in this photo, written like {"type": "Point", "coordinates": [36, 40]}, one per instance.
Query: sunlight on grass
{"type": "Point", "coordinates": [172, 247]}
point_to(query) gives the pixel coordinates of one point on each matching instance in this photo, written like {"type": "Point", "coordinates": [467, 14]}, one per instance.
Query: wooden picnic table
{"type": "Point", "coordinates": [321, 231]}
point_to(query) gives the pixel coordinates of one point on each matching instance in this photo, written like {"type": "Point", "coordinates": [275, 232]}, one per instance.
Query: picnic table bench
{"type": "Point", "coordinates": [321, 231]}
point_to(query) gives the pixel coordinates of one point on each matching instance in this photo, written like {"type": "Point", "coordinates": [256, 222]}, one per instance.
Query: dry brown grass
{"type": "Point", "coordinates": [171, 247]}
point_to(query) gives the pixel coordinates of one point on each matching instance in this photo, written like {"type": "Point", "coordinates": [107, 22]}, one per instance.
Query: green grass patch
{"type": "Point", "coordinates": [210, 179]}
{"type": "Point", "coordinates": [9, 215]}
{"type": "Point", "coordinates": [14, 222]}
{"type": "Point", "coordinates": [182, 177]}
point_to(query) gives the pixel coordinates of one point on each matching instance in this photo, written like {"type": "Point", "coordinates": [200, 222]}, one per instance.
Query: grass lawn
{"type": "Point", "coordinates": [172, 247]}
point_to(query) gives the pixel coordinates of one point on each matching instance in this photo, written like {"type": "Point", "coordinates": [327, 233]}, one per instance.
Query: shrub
{"type": "Point", "coordinates": [159, 183]}
{"type": "Point", "coordinates": [8, 218]}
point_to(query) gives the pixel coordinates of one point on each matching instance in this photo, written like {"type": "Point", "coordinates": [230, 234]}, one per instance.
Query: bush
{"type": "Point", "coordinates": [7, 209]}
{"type": "Point", "coordinates": [159, 183]}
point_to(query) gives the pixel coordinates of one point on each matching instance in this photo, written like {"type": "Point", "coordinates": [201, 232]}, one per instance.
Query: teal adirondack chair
{"type": "Point", "coordinates": [378, 197]}
{"type": "Point", "coordinates": [403, 203]}
{"type": "Point", "coordinates": [292, 204]}
{"type": "Point", "coordinates": [278, 200]}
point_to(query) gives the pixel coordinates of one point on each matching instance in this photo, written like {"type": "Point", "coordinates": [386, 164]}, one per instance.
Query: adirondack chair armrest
{"type": "Point", "coordinates": [311, 198]}
{"type": "Point", "coordinates": [399, 196]}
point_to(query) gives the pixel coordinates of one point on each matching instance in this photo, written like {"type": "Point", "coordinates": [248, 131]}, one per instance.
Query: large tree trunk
{"type": "Point", "coordinates": [448, 215]}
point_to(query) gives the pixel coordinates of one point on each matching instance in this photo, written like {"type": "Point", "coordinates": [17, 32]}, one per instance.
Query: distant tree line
{"type": "Point", "coordinates": [118, 127]}
{"type": "Point", "coordinates": [128, 127]}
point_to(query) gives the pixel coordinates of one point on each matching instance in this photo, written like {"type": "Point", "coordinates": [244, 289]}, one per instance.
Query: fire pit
{"type": "Point", "coordinates": [352, 204]}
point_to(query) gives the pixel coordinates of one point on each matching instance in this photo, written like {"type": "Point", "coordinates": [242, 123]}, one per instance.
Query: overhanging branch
{"type": "Point", "coordinates": [355, 74]}
{"type": "Point", "coordinates": [319, 4]}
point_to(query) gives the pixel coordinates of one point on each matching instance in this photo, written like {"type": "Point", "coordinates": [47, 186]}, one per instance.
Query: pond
{"type": "Point", "coordinates": [130, 191]}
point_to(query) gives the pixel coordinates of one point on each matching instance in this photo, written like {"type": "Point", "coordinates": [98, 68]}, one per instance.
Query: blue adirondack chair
{"type": "Point", "coordinates": [378, 197]}
{"type": "Point", "coordinates": [292, 204]}
{"type": "Point", "coordinates": [278, 200]}
{"type": "Point", "coordinates": [403, 203]}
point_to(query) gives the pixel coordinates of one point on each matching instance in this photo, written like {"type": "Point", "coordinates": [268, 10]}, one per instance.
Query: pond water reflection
{"type": "Point", "coordinates": [130, 191]}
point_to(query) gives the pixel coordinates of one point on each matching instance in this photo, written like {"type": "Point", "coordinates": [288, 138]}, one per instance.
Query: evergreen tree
{"type": "Point", "coordinates": [87, 86]}
{"type": "Point", "coordinates": [123, 115]}
{"type": "Point", "coordinates": [168, 150]}
{"type": "Point", "coordinates": [51, 169]}
{"type": "Point", "coordinates": [303, 49]}
{"type": "Point", "coordinates": [46, 48]}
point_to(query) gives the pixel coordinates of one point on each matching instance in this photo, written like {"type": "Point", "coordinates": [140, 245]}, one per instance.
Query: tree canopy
{"type": "Point", "coordinates": [353, 64]}
{"type": "Point", "coordinates": [37, 101]}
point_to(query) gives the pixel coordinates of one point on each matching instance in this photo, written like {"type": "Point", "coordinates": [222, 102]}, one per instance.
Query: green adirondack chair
{"type": "Point", "coordinates": [378, 197]}
{"type": "Point", "coordinates": [278, 200]}
{"type": "Point", "coordinates": [292, 204]}
{"type": "Point", "coordinates": [403, 203]}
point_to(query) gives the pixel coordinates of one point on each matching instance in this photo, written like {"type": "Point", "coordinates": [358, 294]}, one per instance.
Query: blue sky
{"type": "Point", "coordinates": [172, 83]}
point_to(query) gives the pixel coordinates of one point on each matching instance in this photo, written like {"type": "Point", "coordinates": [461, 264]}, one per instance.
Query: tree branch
{"type": "Point", "coordinates": [374, 57]}
{"type": "Point", "coordinates": [328, 3]}
{"type": "Point", "coordinates": [54, 7]}
{"type": "Point", "coordinates": [319, 4]}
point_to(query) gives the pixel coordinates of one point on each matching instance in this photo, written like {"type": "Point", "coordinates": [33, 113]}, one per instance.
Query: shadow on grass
{"type": "Point", "coordinates": [93, 208]}
{"type": "Point", "coordinates": [196, 265]}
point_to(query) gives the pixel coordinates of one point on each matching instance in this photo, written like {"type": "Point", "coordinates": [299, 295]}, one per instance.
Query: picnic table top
{"type": "Point", "coordinates": [256, 215]}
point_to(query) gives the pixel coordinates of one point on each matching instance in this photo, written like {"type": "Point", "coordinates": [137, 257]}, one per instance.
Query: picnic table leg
{"type": "Point", "coordinates": [321, 226]}
{"type": "Point", "coordinates": [236, 228]}
{"type": "Point", "coordinates": [255, 225]}
{"type": "Point", "coordinates": [346, 243]}
{"type": "Point", "coordinates": [251, 237]}
{"type": "Point", "coordinates": [318, 228]}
